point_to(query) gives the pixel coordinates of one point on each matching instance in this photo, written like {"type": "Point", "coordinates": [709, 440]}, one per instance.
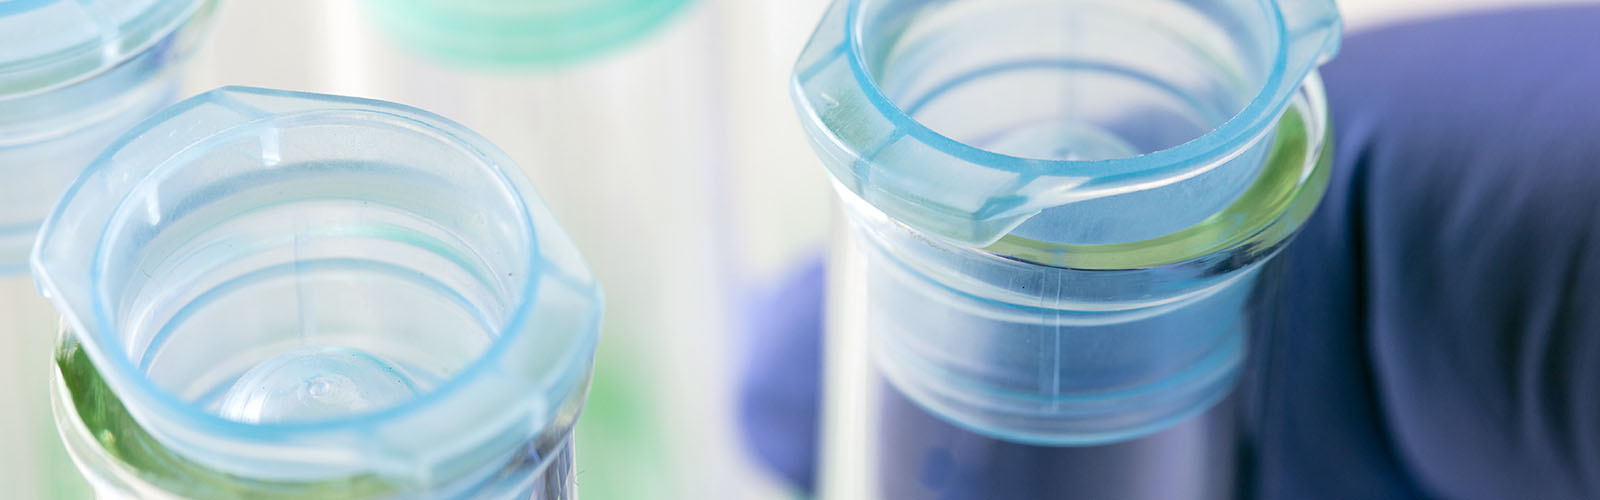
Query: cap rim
{"type": "Point", "coordinates": [483, 35]}
{"type": "Point", "coordinates": [117, 43]}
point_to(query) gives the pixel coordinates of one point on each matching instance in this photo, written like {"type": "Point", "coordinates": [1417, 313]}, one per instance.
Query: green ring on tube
{"type": "Point", "coordinates": [521, 32]}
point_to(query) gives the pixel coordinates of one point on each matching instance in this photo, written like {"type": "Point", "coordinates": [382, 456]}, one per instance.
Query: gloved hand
{"type": "Point", "coordinates": [780, 390]}
{"type": "Point", "coordinates": [1441, 329]}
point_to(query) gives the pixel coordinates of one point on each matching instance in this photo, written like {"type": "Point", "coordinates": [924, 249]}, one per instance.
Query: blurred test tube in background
{"type": "Point", "coordinates": [73, 77]}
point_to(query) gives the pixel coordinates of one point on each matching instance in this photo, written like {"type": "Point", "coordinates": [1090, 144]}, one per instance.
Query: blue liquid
{"type": "Point", "coordinates": [924, 457]}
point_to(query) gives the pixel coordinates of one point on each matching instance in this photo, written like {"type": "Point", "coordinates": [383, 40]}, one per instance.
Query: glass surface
{"type": "Point", "coordinates": [928, 354]}
{"type": "Point", "coordinates": [271, 293]}
{"type": "Point", "coordinates": [920, 456]}
{"type": "Point", "coordinates": [36, 465]}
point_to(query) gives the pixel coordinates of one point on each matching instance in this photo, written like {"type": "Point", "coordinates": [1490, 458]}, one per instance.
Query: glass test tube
{"type": "Point", "coordinates": [1060, 222]}
{"type": "Point", "coordinates": [271, 294]}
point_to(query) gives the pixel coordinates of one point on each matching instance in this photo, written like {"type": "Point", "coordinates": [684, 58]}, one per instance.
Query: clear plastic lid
{"type": "Point", "coordinates": [295, 288]}
{"type": "Point", "coordinates": [1113, 121]}
{"type": "Point", "coordinates": [521, 32]}
{"type": "Point", "coordinates": [48, 43]}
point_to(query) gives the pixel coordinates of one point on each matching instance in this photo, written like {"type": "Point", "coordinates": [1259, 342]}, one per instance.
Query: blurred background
{"type": "Point", "coordinates": [674, 160]}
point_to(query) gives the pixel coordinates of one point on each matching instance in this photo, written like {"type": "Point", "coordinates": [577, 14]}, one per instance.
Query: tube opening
{"type": "Point", "coordinates": [1068, 80]}
{"type": "Point", "coordinates": [1085, 89]}
{"type": "Point", "coordinates": [313, 270]}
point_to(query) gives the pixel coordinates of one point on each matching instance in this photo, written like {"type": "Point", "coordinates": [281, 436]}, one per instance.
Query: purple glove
{"type": "Point", "coordinates": [1441, 335]}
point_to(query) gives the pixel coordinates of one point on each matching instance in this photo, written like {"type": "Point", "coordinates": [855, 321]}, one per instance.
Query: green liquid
{"type": "Point", "coordinates": [1271, 209]}
{"type": "Point", "coordinates": [136, 451]}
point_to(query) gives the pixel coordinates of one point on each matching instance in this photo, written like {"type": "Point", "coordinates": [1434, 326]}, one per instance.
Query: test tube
{"type": "Point", "coordinates": [1060, 223]}
{"type": "Point", "coordinates": [271, 294]}
{"type": "Point", "coordinates": [623, 110]}
{"type": "Point", "coordinates": [73, 76]}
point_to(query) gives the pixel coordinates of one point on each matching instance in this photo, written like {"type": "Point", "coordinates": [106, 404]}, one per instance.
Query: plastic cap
{"type": "Point", "coordinates": [521, 32]}
{"type": "Point", "coordinates": [292, 287]}
{"type": "Point", "coordinates": [73, 76]}
{"type": "Point", "coordinates": [48, 43]}
{"type": "Point", "coordinates": [906, 101]}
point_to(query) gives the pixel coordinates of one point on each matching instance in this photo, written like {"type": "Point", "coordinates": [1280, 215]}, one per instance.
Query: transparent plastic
{"type": "Point", "coordinates": [1059, 213]}
{"type": "Point", "coordinates": [73, 76]}
{"type": "Point", "coordinates": [951, 116]}
{"type": "Point", "coordinates": [274, 294]}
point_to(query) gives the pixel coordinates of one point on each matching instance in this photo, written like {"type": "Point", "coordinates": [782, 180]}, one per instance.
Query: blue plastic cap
{"type": "Point", "coordinates": [73, 76]}
{"type": "Point", "coordinates": [297, 287]}
{"type": "Point", "coordinates": [522, 32]}
{"type": "Point", "coordinates": [48, 43]}
{"type": "Point", "coordinates": [965, 119]}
